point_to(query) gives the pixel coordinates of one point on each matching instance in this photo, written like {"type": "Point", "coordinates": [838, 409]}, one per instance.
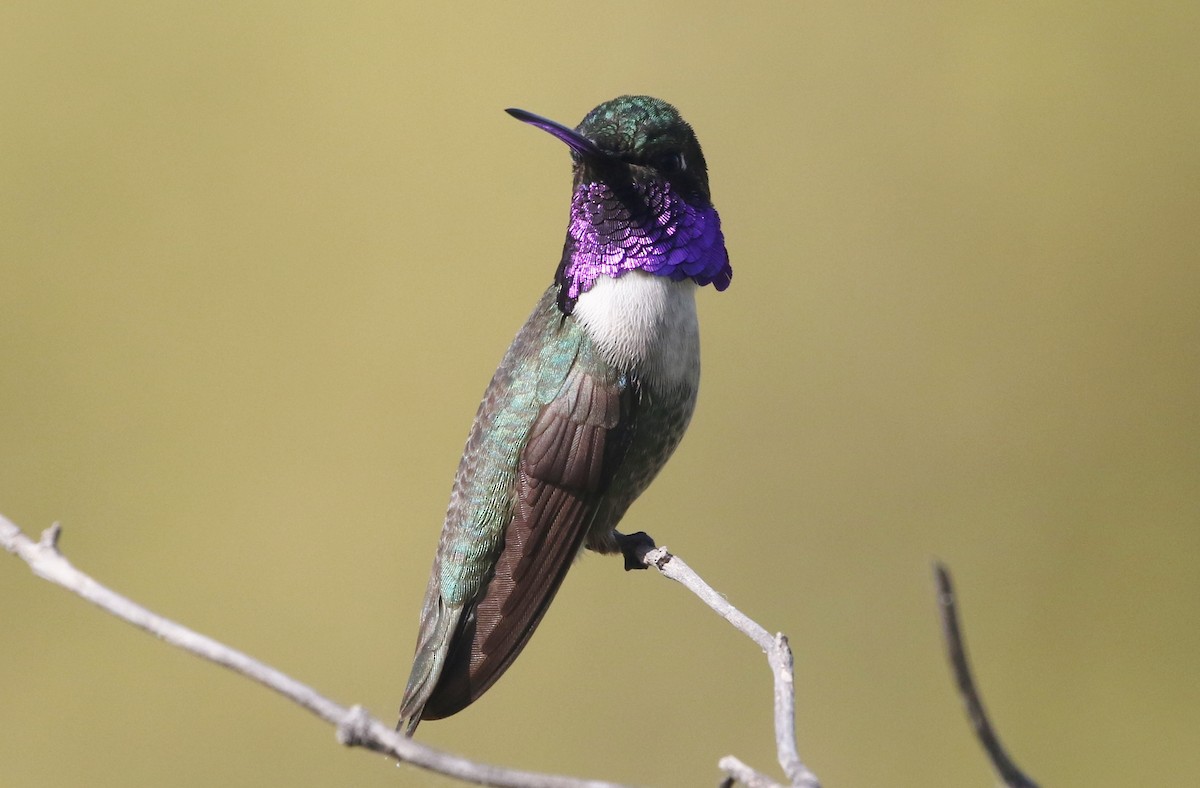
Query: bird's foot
{"type": "Point", "coordinates": [634, 547]}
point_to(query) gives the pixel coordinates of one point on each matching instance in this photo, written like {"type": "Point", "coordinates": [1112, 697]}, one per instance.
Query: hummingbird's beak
{"type": "Point", "coordinates": [579, 143]}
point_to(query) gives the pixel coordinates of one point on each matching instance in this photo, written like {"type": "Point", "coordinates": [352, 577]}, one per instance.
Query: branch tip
{"type": "Point", "coordinates": [49, 540]}
{"type": "Point", "coordinates": [739, 772]}
{"type": "Point", "coordinates": [956, 653]}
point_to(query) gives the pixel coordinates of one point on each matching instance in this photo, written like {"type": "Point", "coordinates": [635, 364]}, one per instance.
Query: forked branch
{"type": "Point", "coordinates": [779, 656]}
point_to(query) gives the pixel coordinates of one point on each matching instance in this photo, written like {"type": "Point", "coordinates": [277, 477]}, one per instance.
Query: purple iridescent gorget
{"type": "Point", "coordinates": [651, 228]}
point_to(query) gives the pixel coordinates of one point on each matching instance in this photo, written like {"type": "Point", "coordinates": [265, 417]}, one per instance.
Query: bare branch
{"type": "Point", "coordinates": [355, 728]}
{"type": "Point", "coordinates": [779, 656]}
{"type": "Point", "coordinates": [956, 652]}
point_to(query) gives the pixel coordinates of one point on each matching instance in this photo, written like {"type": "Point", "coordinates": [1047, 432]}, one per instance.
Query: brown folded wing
{"type": "Point", "coordinates": [575, 444]}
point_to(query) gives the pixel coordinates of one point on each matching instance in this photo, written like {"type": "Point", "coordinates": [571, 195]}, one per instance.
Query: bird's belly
{"type": "Point", "coordinates": [646, 323]}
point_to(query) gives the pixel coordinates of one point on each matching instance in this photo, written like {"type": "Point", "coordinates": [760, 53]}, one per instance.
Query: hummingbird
{"type": "Point", "coordinates": [587, 405]}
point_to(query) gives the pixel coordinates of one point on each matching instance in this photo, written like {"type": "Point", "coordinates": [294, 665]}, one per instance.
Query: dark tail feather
{"type": "Point", "coordinates": [437, 635]}
{"type": "Point", "coordinates": [529, 571]}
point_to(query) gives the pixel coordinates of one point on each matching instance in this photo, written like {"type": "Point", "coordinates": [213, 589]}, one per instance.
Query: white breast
{"type": "Point", "coordinates": [648, 321]}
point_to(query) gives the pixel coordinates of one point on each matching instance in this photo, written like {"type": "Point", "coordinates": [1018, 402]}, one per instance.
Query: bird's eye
{"type": "Point", "coordinates": [671, 162]}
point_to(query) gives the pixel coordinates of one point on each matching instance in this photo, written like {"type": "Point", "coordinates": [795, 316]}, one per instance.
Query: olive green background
{"type": "Point", "coordinates": [258, 262]}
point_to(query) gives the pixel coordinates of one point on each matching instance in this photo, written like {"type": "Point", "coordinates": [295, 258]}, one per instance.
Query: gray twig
{"type": "Point", "coordinates": [355, 727]}
{"type": "Point", "coordinates": [956, 652]}
{"type": "Point", "coordinates": [779, 656]}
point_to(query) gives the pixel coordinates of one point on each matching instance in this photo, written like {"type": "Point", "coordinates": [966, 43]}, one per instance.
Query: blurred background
{"type": "Point", "coordinates": [258, 262]}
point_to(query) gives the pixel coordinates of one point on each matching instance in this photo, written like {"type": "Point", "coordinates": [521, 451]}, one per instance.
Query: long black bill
{"type": "Point", "coordinates": [579, 143]}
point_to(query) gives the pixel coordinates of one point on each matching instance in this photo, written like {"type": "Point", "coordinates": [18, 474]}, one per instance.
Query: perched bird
{"type": "Point", "coordinates": [588, 403]}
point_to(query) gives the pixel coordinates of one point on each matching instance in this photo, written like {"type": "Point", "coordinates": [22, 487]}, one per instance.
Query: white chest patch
{"type": "Point", "coordinates": [645, 320]}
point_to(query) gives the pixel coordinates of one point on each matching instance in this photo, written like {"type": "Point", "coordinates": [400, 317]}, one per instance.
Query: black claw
{"type": "Point", "coordinates": [634, 547]}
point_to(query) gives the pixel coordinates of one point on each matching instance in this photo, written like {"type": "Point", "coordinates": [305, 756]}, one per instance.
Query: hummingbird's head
{"type": "Point", "coordinates": [641, 198]}
{"type": "Point", "coordinates": [649, 140]}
